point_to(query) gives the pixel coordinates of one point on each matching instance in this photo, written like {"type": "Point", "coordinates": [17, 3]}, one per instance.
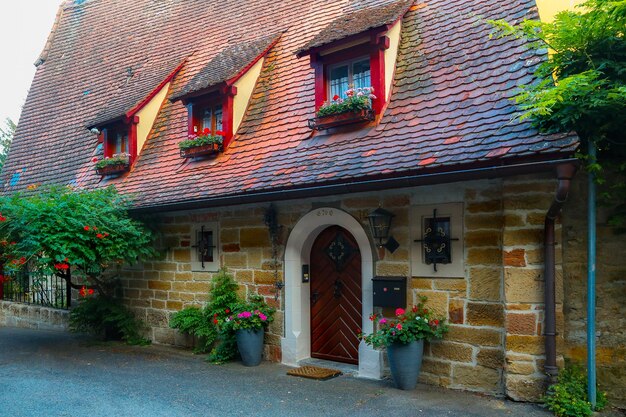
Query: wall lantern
{"type": "Point", "coordinates": [380, 225]}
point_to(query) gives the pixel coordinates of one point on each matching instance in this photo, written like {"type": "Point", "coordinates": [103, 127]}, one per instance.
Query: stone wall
{"type": "Point", "coordinates": [495, 307]}
{"type": "Point", "coordinates": [610, 289]}
{"type": "Point", "coordinates": [33, 316]}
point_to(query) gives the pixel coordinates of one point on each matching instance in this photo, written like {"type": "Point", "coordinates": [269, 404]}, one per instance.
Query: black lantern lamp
{"type": "Point", "coordinates": [380, 225]}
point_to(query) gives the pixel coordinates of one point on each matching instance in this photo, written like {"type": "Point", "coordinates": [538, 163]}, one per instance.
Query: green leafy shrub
{"type": "Point", "coordinates": [205, 324]}
{"type": "Point", "coordinates": [568, 397]}
{"type": "Point", "coordinates": [206, 137]}
{"type": "Point", "coordinates": [116, 159]}
{"type": "Point", "coordinates": [108, 318]}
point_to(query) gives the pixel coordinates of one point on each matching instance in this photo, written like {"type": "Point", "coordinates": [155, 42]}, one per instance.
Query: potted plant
{"type": "Point", "coordinates": [115, 164]}
{"type": "Point", "coordinates": [206, 143]}
{"type": "Point", "coordinates": [249, 321]}
{"type": "Point", "coordinates": [404, 336]}
{"type": "Point", "coordinates": [355, 107]}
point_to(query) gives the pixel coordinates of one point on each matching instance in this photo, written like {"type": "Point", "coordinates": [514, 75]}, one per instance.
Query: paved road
{"type": "Point", "coordinates": [58, 374]}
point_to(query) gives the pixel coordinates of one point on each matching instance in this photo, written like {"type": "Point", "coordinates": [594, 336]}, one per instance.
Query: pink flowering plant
{"type": "Point", "coordinates": [355, 100]}
{"type": "Point", "coordinates": [252, 315]}
{"type": "Point", "coordinates": [117, 159]}
{"type": "Point", "coordinates": [407, 326]}
{"type": "Point", "coordinates": [206, 137]}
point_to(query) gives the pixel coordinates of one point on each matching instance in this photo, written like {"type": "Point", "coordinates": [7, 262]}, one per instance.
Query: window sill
{"type": "Point", "coordinates": [112, 169]}
{"type": "Point", "coordinates": [204, 150]}
{"type": "Point", "coordinates": [334, 120]}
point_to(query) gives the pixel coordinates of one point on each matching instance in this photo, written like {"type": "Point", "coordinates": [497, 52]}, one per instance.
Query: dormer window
{"type": "Point", "coordinates": [217, 96]}
{"type": "Point", "coordinates": [120, 144]}
{"type": "Point", "coordinates": [355, 51]}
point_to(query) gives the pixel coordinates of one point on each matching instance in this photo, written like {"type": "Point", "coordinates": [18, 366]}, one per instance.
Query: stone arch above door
{"type": "Point", "coordinates": [296, 345]}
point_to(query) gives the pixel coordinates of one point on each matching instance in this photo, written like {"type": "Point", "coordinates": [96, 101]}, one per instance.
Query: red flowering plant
{"type": "Point", "coordinates": [252, 315]}
{"type": "Point", "coordinates": [355, 100]}
{"type": "Point", "coordinates": [206, 137]}
{"type": "Point", "coordinates": [407, 326]}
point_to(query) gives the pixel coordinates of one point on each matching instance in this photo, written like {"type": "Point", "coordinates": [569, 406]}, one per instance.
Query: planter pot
{"type": "Point", "coordinates": [204, 150]}
{"type": "Point", "coordinates": [250, 345]}
{"type": "Point", "coordinates": [334, 120]}
{"type": "Point", "coordinates": [112, 169]}
{"type": "Point", "coordinates": [405, 362]}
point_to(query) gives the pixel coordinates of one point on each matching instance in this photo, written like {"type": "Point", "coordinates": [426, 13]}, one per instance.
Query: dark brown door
{"type": "Point", "coordinates": [335, 296]}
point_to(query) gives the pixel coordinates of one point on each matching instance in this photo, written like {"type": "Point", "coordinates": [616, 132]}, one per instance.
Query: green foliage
{"type": "Point", "coordinates": [60, 230]}
{"type": "Point", "coordinates": [215, 339]}
{"type": "Point", "coordinates": [568, 397]}
{"type": "Point", "coordinates": [6, 137]}
{"type": "Point", "coordinates": [106, 317]}
{"type": "Point", "coordinates": [407, 326]}
{"type": "Point", "coordinates": [588, 60]}
{"type": "Point", "coordinates": [201, 140]}
{"type": "Point", "coordinates": [117, 159]}
{"type": "Point", "coordinates": [253, 314]}
{"type": "Point", "coordinates": [355, 101]}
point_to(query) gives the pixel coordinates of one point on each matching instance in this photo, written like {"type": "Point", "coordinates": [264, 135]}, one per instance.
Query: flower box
{"type": "Point", "coordinates": [203, 150]}
{"type": "Point", "coordinates": [112, 169]}
{"type": "Point", "coordinates": [334, 120]}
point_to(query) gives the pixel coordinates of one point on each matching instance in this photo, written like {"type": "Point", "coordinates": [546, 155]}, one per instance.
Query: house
{"type": "Point", "coordinates": [441, 148]}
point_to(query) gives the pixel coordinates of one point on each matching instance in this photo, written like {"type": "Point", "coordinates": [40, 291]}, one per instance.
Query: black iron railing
{"type": "Point", "coordinates": [34, 288]}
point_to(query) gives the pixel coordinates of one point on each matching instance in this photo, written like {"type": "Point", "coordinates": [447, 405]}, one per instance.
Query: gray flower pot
{"type": "Point", "coordinates": [405, 362]}
{"type": "Point", "coordinates": [250, 345]}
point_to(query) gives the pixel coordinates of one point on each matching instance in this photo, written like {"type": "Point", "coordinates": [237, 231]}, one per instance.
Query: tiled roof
{"type": "Point", "coordinates": [227, 64]}
{"type": "Point", "coordinates": [357, 22]}
{"type": "Point", "coordinates": [450, 105]}
{"type": "Point", "coordinates": [139, 83]}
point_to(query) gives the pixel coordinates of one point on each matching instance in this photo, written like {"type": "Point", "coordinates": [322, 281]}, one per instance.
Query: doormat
{"type": "Point", "coordinates": [314, 372]}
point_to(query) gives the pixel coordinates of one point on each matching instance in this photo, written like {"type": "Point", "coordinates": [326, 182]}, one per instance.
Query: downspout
{"type": "Point", "coordinates": [565, 173]}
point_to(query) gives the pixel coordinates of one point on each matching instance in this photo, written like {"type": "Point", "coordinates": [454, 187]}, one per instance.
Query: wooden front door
{"type": "Point", "coordinates": [335, 296]}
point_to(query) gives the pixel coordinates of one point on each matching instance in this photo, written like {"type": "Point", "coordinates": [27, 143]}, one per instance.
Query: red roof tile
{"type": "Point", "coordinates": [450, 104]}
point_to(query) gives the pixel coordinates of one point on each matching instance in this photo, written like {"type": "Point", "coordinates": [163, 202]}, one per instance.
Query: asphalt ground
{"type": "Point", "coordinates": [46, 373]}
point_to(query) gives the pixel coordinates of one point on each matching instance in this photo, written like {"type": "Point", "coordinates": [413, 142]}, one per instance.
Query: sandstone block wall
{"type": "Point", "coordinates": [495, 307]}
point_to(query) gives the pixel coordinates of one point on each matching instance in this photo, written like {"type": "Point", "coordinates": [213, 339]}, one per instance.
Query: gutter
{"type": "Point", "coordinates": [565, 172]}
{"type": "Point", "coordinates": [377, 184]}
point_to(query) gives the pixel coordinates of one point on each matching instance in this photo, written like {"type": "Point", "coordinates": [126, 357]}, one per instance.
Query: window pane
{"type": "Point", "coordinates": [218, 117]}
{"type": "Point", "coordinates": [121, 142]}
{"type": "Point", "coordinates": [206, 119]}
{"type": "Point", "coordinates": [361, 74]}
{"type": "Point", "coordinates": [338, 81]}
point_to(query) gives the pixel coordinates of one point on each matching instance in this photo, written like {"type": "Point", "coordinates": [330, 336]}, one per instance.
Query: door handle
{"type": "Point", "coordinates": [315, 296]}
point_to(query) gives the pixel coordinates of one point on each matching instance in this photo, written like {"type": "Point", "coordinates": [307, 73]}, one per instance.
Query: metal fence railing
{"type": "Point", "coordinates": [34, 288]}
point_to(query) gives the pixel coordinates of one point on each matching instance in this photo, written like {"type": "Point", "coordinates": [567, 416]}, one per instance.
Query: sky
{"type": "Point", "coordinates": [24, 29]}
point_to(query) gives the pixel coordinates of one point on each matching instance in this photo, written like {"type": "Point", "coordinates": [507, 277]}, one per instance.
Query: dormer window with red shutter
{"type": "Point", "coordinates": [353, 59]}
{"type": "Point", "coordinates": [120, 143]}
{"type": "Point", "coordinates": [217, 95]}
{"type": "Point", "coordinates": [125, 121]}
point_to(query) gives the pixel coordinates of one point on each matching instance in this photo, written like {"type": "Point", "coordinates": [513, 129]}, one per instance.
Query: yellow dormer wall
{"type": "Point", "coordinates": [147, 116]}
{"type": "Point", "coordinates": [549, 8]}
{"type": "Point", "coordinates": [391, 54]}
{"type": "Point", "coordinates": [245, 85]}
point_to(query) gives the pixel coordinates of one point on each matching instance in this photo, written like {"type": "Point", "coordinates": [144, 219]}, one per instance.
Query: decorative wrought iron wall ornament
{"type": "Point", "coordinates": [380, 225]}
{"type": "Point", "coordinates": [340, 251]}
{"type": "Point", "coordinates": [204, 245]}
{"type": "Point", "coordinates": [436, 240]}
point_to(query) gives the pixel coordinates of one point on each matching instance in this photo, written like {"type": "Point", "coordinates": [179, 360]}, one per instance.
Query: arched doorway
{"type": "Point", "coordinates": [336, 306]}
{"type": "Point", "coordinates": [296, 345]}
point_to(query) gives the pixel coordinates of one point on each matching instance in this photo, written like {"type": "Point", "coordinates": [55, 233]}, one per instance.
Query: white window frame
{"type": "Point", "coordinates": [419, 267]}
{"type": "Point", "coordinates": [196, 265]}
{"type": "Point", "coordinates": [350, 63]}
